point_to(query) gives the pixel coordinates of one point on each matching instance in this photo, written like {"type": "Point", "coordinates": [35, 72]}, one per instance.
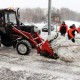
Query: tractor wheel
{"type": "Point", "coordinates": [23, 48]}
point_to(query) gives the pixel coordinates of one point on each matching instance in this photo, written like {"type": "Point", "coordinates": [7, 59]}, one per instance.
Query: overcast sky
{"type": "Point", "coordinates": [71, 4]}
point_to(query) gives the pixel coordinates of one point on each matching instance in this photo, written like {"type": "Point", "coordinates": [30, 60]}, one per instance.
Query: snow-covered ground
{"type": "Point", "coordinates": [35, 67]}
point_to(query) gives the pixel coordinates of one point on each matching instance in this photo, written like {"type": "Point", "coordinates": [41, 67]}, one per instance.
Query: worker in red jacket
{"type": "Point", "coordinates": [63, 29]}
{"type": "Point", "coordinates": [71, 32]}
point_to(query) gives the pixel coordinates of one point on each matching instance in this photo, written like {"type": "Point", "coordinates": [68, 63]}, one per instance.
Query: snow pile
{"type": "Point", "coordinates": [66, 49]}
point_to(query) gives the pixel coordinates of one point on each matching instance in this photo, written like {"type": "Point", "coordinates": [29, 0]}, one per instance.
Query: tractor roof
{"type": "Point", "coordinates": [7, 10]}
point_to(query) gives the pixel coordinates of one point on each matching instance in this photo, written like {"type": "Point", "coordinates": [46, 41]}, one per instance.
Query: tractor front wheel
{"type": "Point", "coordinates": [23, 48]}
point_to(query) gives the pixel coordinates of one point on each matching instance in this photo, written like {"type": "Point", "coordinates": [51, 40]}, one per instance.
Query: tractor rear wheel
{"type": "Point", "coordinates": [23, 48]}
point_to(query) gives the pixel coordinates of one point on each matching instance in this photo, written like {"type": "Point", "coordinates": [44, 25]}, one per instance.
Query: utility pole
{"type": "Point", "coordinates": [49, 17]}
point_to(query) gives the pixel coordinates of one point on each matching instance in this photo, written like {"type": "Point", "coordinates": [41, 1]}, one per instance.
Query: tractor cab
{"type": "Point", "coordinates": [9, 18]}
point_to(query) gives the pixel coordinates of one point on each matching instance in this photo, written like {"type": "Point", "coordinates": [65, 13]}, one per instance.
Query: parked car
{"type": "Point", "coordinates": [45, 28]}
{"type": "Point", "coordinates": [36, 29]}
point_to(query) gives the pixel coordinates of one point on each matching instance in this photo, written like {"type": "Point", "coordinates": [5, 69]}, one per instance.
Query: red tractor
{"type": "Point", "coordinates": [12, 35]}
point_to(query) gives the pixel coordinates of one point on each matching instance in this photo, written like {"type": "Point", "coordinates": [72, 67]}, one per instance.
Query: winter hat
{"type": "Point", "coordinates": [72, 26]}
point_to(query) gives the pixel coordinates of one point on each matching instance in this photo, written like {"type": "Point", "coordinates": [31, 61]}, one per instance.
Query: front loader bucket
{"type": "Point", "coordinates": [48, 51]}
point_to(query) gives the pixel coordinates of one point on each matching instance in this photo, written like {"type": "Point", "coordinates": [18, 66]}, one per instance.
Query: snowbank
{"type": "Point", "coordinates": [69, 23]}
{"type": "Point", "coordinates": [66, 49]}
{"type": "Point", "coordinates": [39, 25]}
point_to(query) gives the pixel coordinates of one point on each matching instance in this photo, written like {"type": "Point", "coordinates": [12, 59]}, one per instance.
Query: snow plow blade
{"type": "Point", "coordinates": [47, 51]}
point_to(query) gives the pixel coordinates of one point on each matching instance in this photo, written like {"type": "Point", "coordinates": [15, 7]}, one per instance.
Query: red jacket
{"type": "Point", "coordinates": [71, 32]}
{"type": "Point", "coordinates": [61, 26]}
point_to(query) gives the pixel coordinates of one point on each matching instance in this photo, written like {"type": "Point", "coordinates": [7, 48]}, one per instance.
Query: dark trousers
{"type": "Point", "coordinates": [63, 34]}
{"type": "Point", "coordinates": [73, 40]}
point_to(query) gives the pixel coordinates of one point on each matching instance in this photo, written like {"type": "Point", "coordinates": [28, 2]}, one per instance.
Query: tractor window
{"type": "Point", "coordinates": [6, 18]}
{"type": "Point", "coordinates": [1, 19]}
{"type": "Point", "coordinates": [10, 17]}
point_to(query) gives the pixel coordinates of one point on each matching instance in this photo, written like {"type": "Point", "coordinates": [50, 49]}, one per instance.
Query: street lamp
{"type": "Point", "coordinates": [49, 17]}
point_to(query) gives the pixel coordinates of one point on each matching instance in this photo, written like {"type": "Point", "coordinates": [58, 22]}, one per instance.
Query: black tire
{"type": "Point", "coordinates": [26, 47]}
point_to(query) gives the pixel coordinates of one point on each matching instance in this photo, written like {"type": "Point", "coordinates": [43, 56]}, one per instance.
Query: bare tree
{"type": "Point", "coordinates": [40, 15]}
{"type": "Point", "coordinates": [32, 15]}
